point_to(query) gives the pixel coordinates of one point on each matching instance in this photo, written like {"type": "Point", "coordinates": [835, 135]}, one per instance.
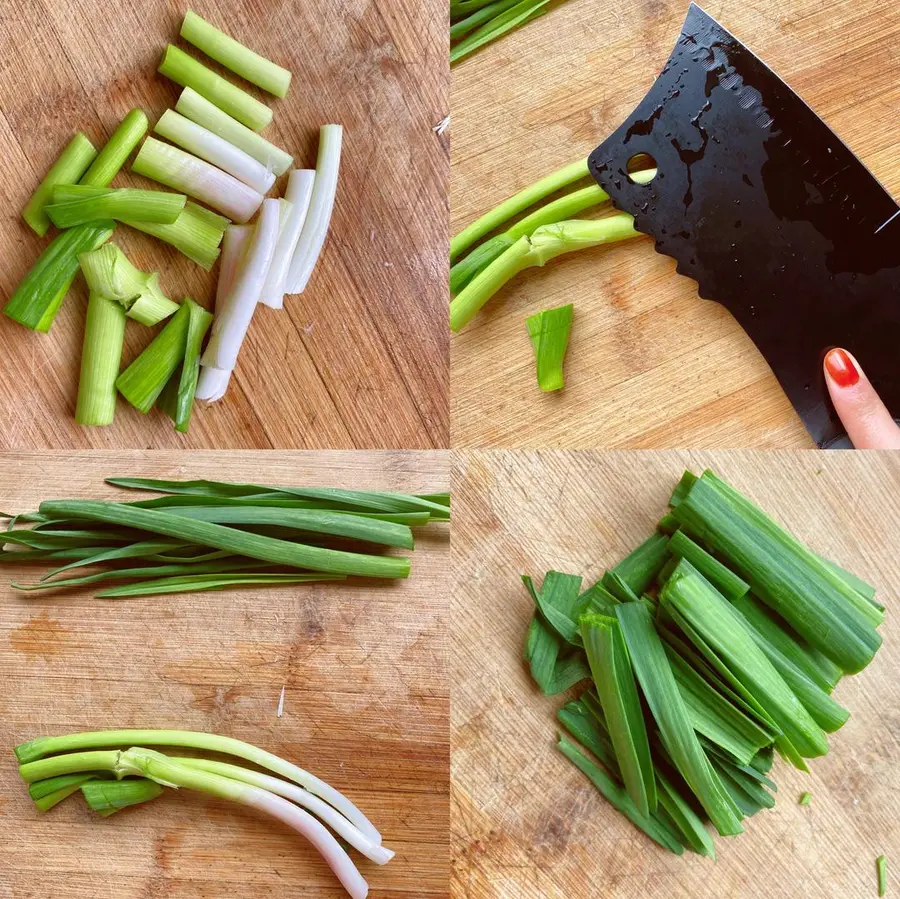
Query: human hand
{"type": "Point", "coordinates": [866, 419]}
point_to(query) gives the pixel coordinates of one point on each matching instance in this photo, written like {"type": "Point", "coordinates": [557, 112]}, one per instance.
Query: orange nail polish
{"type": "Point", "coordinates": [841, 368]}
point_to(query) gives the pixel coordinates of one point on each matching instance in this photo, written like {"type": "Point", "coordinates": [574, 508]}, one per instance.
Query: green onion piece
{"type": "Point", "coordinates": [552, 672]}
{"type": "Point", "coordinates": [50, 792]}
{"type": "Point", "coordinates": [544, 244]}
{"type": "Point", "coordinates": [71, 165]}
{"type": "Point", "coordinates": [101, 356]}
{"type": "Point", "coordinates": [557, 601]}
{"type": "Point", "coordinates": [783, 573]}
{"type": "Point", "coordinates": [720, 576]}
{"type": "Point", "coordinates": [116, 150]}
{"type": "Point", "coordinates": [197, 583]}
{"type": "Point", "coordinates": [235, 56]}
{"type": "Point", "coordinates": [668, 524]}
{"type": "Point", "coordinates": [188, 173]}
{"type": "Point", "coordinates": [805, 798]}
{"type": "Point", "coordinates": [143, 381]}
{"type": "Point", "coordinates": [110, 274]}
{"type": "Point", "coordinates": [651, 666]}
{"type": "Point", "coordinates": [881, 869]}
{"type": "Point", "coordinates": [619, 798]}
{"type": "Point", "coordinates": [187, 72]}
{"type": "Point", "coordinates": [514, 205]}
{"type": "Point", "coordinates": [549, 332]}
{"type": "Point", "coordinates": [460, 28]}
{"type": "Point", "coordinates": [234, 541]}
{"type": "Point", "coordinates": [712, 617]}
{"type": "Point", "coordinates": [867, 591]}
{"type": "Point", "coordinates": [199, 110]}
{"type": "Point", "coordinates": [108, 796]}
{"type": "Point", "coordinates": [76, 204]}
{"type": "Point", "coordinates": [498, 26]}
{"type": "Point", "coordinates": [177, 397]}
{"type": "Point", "coordinates": [197, 233]}
{"type": "Point", "coordinates": [615, 685]}
{"type": "Point", "coordinates": [639, 568]}
{"type": "Point", "coordinates": [40, 293]}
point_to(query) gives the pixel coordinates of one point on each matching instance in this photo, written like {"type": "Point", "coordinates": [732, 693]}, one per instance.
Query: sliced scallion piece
{"type": "Point", "coordinates": [196, 233]}
{"type": "Point", "coordinates": [805, 799]}
{"type": "Point", "coordinates": [235, 56]}
{"type": "Point", "coordinates": [72, 163]}
{"type": "Point", "coordinates": [76, 204]}
{"type": "Point", "coordinates": [881, 870]}
{"type": "Point", "coordinates": [186, 71]}
{"type": "Point", "coordinates": [116, 150]}
{"type": "Point", "coordinates": [549, 332]}
{"type": "Point", "coordinates": [101, 356]}
{"type": "Point", "coordinates": [639, 568]}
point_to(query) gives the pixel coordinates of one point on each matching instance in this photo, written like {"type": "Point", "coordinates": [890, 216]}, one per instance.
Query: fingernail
{"type": "Point", "coordinates": [841, 368]}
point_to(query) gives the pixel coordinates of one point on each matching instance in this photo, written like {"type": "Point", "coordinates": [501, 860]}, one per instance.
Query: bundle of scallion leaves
{"type": "Point", "coordinates": [209, 535]}
{"type": "Point", "coordinates": [114, 769]}
{"type": "Point", "coordinates": [716, 642]}
{"type": "Point", "coordinates": [475, 23]}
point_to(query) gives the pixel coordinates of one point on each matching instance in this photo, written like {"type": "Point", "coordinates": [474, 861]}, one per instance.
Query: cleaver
{"type": "Point", "coordinates": [758, 201]}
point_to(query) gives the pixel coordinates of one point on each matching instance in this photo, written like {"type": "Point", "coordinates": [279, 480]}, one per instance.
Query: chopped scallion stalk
{"type": "Point", "coordinates": [196, 233]}
{"type": "Point", "coordinates": [215, 150]}
{"type": "Point", "coordinates": [198, 109]}
{"type": "Point", "coordinates": [639, 568]}
{"type": "Point", "coordinates": [235, 56]}
{"type": "Point", "coordinates": [184, 172]}
{"type": "Point", "coordinates": [110, 274]}
{"type": "Point", "coordinates": [234, 244]}
{"type": "Point", "coordinates": [544, 244]}
{"type": "Point", "coordinates": [187, 72]}
{"type": "Point", "coordinates": [321, 205]}
{"type": "Point", "coordinates": [76, 204]}
{"type": "Point", "coordinates": [73, 162]}
{"type": "Point", "coordinates": [101, 356]}
{"type": "Point", "coordinates": [805, 798]}
{"type": "Point", "coordinates": [720, 576]}
{"type": "Point", "coordinates": [298, 194]}
{"type": "Point", "coordinates": [881, 869]}
{"type": "Point", "coordinates": [117, 149]}
{"type": "Point", "coordinates": [549, 333]}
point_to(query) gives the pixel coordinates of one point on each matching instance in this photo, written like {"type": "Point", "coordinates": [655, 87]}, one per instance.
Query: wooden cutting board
{"type": "Point", "coordinates": [525, 823]}
{"type": "Point", "coordinates": [650, 364]}
{"type": "Point", "coordinates": [366, 699]}
{"type": "Point", "coordinates": [358, 360]}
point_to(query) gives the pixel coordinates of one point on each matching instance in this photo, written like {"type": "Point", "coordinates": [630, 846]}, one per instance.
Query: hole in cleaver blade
{"type": "Point", "coordinates": [769, 212]}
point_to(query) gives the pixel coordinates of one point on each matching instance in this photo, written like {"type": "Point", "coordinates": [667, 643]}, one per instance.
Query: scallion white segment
{"type": "Point", "coordinates": [214, 149]}
{"type": "Point", "coordinates": [298, 193]}
{"type": "Point", "coordinates": [232, 322]}
{"type": "Point", "coordinates": [234, 243]}
{"type": "Point", "coordinates": [198, 109]}
{"type": "Point", "coordinates": [186, 173]}
{"type": "Point", "coordinates": [312, 237]}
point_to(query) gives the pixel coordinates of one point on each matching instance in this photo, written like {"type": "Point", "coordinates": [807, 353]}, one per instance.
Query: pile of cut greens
{"type": "Point", "coordinates": [717, 641]}
{"type": "Point", "coordinates": [217, 157]}
{"type": "Point", "coordinates": [209, 535]}
{"type": "Point", "coordinates": [111, 776]}
{"type": "Point", "coordinates": [475, 23]}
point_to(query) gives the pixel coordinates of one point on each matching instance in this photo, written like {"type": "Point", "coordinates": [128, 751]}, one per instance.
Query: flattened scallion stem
{"type": "Point", "coordinates": [72, 163]}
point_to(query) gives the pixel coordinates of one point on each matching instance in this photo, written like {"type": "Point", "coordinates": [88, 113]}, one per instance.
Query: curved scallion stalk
{"type": "Point", "coordinates": [235, 56]}
{"type": "Point", "coordinates": [196, 233]}
{"type": "Point", "coordinates": [198, 109]}
{"type": "Point", "coordinates": [215, 150]}
{"type": "Point", "coordinates": [187, 173]}
{"type": "Point", "coordinates": [546, 243]}
{"type": "Point", "coordinates": [72, 163]}
{"type": "Point", "coordinates": [186, 71]}
{"type": "Point", "coordinates": [321, 205]}
{"type": "Point", "coordinates": [101, 356]}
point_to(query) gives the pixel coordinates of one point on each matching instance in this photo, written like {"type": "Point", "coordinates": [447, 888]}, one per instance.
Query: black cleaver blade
{"type": "Point", "coordinates": [762, 205]}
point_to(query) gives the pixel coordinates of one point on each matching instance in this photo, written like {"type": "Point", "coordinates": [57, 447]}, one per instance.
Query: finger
{"type": "Point", "coordinates": [866, 419]}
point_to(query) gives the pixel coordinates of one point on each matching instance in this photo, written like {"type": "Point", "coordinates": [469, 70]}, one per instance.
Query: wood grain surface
{"type": "Point", "coordinates": [366, 705]}
{"type": "Point", "coordinates": [525, 823]}
{"type": "Point", "coordinates": [358, 360]}
{"type": "Point", "coordinates": [649, 364]}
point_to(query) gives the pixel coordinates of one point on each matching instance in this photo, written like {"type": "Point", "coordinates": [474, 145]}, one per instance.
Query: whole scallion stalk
{"type": "Point", "coordinates": [101, 356]}
{"type": "Point", "coordinates": [235, 56]}
{"type": "Point", "coordinates": [72, 163]}
{"type": "Point", "coordinates": [197, 233]}
{"type": "Point", "coordinates": [546, 243]}
{"type": "Point", "coordinates": [186, 71]}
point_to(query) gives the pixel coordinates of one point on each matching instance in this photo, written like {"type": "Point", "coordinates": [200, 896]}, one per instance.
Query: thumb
{"type": "Point", "coordinates": [866, 419]}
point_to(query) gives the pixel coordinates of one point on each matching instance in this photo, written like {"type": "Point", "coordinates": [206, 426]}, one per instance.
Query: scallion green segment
{"type": "Point", "coordinates": [101, 356]}
{"type": "Point", "coordinates": [110, 274]}
{"type": "Point", "coordinates": [720, 576]}
{"type": "Point", "coordinates": [73, 162]}
{"type": "Point", "coordinates": [143, 381]}
{"type": "Point", "coordinates": [828, 613]}
{"type": "Point", "coordinates": [47, 793]}
{"type": "Point", "coordinates": [117, 149]}
{"type": "Point", "coordinates": [805, 798]}
{"type": "Point", "coordinates": [197, 233]}
{"type": "Point", "coordinates": [177, 397]}
{"type": "Point", "coordinates": [235, 56]}
{"type": "Point", "coordinates": [186, 71]}
{"type": "Point", "coordinates": [640, 567]}
{"type": "Point", "coordinates": [76, 204]}
{"type": "Point", "coordinates": [549, 332]}
{"type": "Point", "coordinates": [881, 870]}
{"type": "Point", "coordinates": [40, 293]}
{"type": "Point", "coordinates": [108, 796]}
{"type": "Point", "coordinates": [503, 22]}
